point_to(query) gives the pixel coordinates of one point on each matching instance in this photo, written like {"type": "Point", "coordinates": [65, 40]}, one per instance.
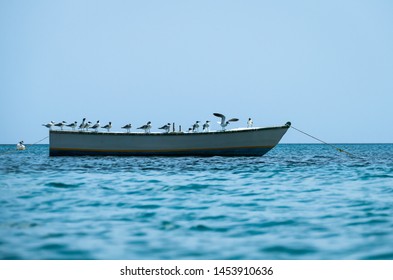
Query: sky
{"type": "Point", "coordinates": [326, 66]}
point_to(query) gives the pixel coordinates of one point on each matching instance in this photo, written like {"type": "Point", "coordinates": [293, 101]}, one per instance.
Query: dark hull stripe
{"type": "Point", "coordinates": [206, 153]}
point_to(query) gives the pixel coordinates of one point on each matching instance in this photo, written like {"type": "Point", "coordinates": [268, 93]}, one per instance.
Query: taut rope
{"type": "Point", "coordinates": [335, 147]}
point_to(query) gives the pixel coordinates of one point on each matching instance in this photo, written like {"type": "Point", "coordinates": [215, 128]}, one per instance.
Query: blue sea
{"type": "Point", "coordinates": [299, 201]}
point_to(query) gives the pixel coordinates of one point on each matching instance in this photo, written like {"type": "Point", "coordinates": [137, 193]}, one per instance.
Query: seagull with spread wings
{"type": "Point", "coordinates": [223, 122]}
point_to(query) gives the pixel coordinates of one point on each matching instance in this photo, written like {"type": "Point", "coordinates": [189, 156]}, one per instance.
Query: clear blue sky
{"type": "Point", "coordinates": [327, 66]}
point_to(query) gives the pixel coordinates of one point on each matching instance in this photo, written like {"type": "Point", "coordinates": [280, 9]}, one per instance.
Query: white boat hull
{"type": "Point", "coordinates": [240, 142]}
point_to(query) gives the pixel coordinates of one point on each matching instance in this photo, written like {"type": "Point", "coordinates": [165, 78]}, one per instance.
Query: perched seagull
{"type": "Point", "coordinates": [250, 122]}
{"type": "Point", "coordinates": [96, 126]}
{"type": "Point", "coordinates": [60, 124]}
{"type": "Point", "coordinates": [87, 126]}
{"type": "Point", "coordinates": [167, 127]}
{"type": "Point", "coordinates": [72, 125]}
{"type": "Point", "coordinates": [206, 126]}
{"type": "Point", "coordinates": [108, 126]}
{"type": "Point", "coordinates": [224, 123]}
{"type": "Point", "coordinates": [82, 125]}
{"type": "Point", "coordinates": [190, 130]}
{"type": "Point", "coordinates": [146, 127]}
{"type": "Point", "coordinates": [128, 127]}
{"type": "Point", "coordinates": [195, 127]}
{"type": "Point", "coordinates": [49, 125]}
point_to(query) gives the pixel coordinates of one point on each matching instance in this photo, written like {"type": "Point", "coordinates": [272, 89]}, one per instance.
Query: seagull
{"type": "Point", "coordinates": [87, 126]}
{"type": "Point", "coordinates": [206, 126]}
{"type": "Point", "coordinates": [250, 122]}
{"type": "Point", "coordinates": [167, 127]}
{"type": "Point", "coordinates": [146, 127]}
{"type": "Point", "coordinates": [72, 125]}
{"type": "Point", "coordinates": [108, 126]}
{"type": "Point", "coordinates": [128, 127]}
{"type": "Point", "coordinates": [60, 124]}
{"type": "Point", "coordinates": [190, 130]}
{"type": "Point", "coordinates": [195, 127]}
{"type": "Point", "coordinates": [224, 123]}
{"type": "Point", "coordinates": [49, 125]}
{"type": "Point", "coordinates": [82, 125]}
{"type": "Point", "coordinates": [96, 126]}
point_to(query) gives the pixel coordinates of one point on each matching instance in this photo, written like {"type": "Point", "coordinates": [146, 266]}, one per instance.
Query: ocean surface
{"type": "Point", "coordinates": [299, 201]}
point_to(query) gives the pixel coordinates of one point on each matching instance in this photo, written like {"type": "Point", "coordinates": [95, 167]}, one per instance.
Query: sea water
{"type": "Point", "coordinates": [299, 201]}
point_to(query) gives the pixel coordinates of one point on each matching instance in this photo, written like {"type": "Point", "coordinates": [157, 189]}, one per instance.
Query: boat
{"type": "Point", "coordinates": [234, 142]}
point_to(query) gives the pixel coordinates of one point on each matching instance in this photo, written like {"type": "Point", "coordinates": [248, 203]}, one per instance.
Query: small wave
{"type": "Point", "coordinates": [146, 215]}
{"type": "Point", "coordinates": [206, 228]}
{"type": "Point", "coordinates": [381, 256]}
{"type": "Point", "coordinates": [251, 232]}
{"type": "Point", "coordinates": [277, 223]}
{"type": "Point", "coordinates": [192, 186]}
{"type": "Point", "coordinates": [62, 185]}
{"type": "Point", "coordinates": [166, 225]}
{"type": "Point", "coordinates": [146, 206]}
{"type": "Point", "coordinates": [218, 217]}
{"type": "Point", "coordinates": [200, 228]}
{"type": "Point", "coordinates": [54, 235]}
{"type": "Point", "coordinates": [153, 181]}
{"type": "Point", "coordinates": [10, 256]}
{"type": "Point", "coordinates": [375, 176]}
{"type": "Point", "coordinates": [53, 246]}
{"type": "Point", "coordinates": [289, 250]}
{"type": "Point", "coordinates": [19, 225]}
{"type": "Point", "coordinates": [371, 222]}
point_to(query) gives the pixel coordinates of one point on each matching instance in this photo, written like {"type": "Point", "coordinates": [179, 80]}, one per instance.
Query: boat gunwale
{"type": "Point", "coordinates": [176, 133]}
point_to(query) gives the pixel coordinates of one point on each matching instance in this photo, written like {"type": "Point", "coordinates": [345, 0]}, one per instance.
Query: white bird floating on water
{"type": "Point", "coordinates": [250, 123]}
{"type": "Point", "coordinates": [166, 127]}
{"type": "Point", "coordinates": [127, 127]}
{"type": "Point", "coordinates": [20, 146]}
{"type": "Point", "coordinates": [49, 125]}
{"type": "Point", "coordinates": [224, 123]}
{"type": "Point", "coordinates": [108, 126]}
{"type": "Point", "coordinates": [72, 125]}
{"type": "Point", "coordinates": [206, 126]}
{"type": "Point", "coordinates": [146, 127]}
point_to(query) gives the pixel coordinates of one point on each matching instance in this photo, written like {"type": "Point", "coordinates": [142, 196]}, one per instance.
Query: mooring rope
{"type": "Point", "coordinates": [333, 146]}
{"type": "Point", "coordinates": [39, 141]}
